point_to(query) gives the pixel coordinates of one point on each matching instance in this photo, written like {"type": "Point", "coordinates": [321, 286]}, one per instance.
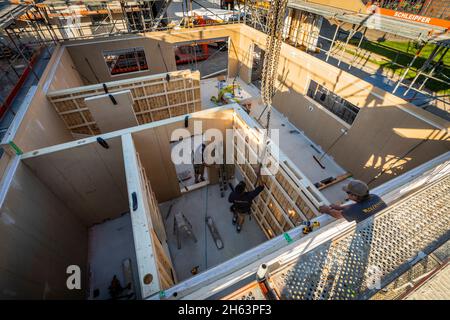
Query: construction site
{"type": "Point", "coordinates": [298, 96]}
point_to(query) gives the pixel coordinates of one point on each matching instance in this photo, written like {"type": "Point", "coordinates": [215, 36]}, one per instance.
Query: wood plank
{"type": "Point", "coordinates": [109, 116]}
{"type": "Point", "coordinates": [338, 179]}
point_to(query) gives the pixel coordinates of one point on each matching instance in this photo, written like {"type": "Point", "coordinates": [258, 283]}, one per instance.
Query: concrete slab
{"type": "Point", "coordinates": [110, 243]}
{"type": "Point", "coordinates": [196, 205]}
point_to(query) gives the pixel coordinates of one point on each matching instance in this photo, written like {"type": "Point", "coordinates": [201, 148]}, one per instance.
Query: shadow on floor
{"type": "Point", "coordinates": [196, 205]}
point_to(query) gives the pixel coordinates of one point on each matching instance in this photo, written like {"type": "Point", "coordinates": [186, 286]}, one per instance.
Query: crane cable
{"type": "Point", "coordinates": [275, 25]}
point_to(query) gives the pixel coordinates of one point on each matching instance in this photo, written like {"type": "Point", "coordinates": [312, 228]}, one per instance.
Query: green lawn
{"type": "Point", "coordinates": [402, 53]}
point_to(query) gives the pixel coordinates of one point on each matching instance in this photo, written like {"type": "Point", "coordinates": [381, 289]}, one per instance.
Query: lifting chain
{"type": "Point", "coordinates": [275, 25]}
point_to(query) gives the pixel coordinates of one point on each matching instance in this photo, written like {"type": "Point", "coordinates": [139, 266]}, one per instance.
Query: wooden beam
{"type": "Point", "coordinates": [338, 179]}
{"type": "Point", "coordinates": [143, 242]}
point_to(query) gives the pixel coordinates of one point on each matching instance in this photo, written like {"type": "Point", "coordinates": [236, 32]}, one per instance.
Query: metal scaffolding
{"type": "Point", "coordinates": [413, 77]}
{"type": "Point", "coordinates": [29, 28]}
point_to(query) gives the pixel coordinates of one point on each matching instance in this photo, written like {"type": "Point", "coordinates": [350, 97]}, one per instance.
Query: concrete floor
{"type": "Point", "coordinates": [110, 243]}
{"type": "Point", "coordinates": [217, 61]}
{"type": "Point", "coordinates": [196, 205]}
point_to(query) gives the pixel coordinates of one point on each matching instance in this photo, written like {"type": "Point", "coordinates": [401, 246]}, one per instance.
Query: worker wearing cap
{"type": "Point", "coordinates": [242, 202]}
{"type": "Point", "coordinates": [365, 205]}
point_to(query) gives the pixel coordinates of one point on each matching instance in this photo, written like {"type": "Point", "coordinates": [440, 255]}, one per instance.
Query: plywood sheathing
{"type": "Point", "coordinates": [89, 179]}
{"type": "Point", "coordinates": [154, 98]}
{"type": "Point", "coordinates": [39, 238]}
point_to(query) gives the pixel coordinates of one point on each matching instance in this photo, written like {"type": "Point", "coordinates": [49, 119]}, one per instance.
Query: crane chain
{"type": "Point", "coordinates": [275, 25]}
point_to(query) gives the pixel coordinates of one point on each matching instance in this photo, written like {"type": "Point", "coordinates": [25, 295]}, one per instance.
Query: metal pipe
{"type": "Point", "coordinates": [434, 67]}
{"type": "Point", "coordinates": [38, 33]}
{"type": "Point", "coordinates": [350, 35]}
{"type": "Point", "coordinates": [263, 277]}
{"type": "Point", "coordinates": [21, 53]}
{"type": "Point", "coordinates": [423, 67]}
{"type": "Point", "coordinates": [245, 12]}
{"type": "Point", "coordinates": [47, 23]}
{"type": "Point", "coordinates": [332, 41]}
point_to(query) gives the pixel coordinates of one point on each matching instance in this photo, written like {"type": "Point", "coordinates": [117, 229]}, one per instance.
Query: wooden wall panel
{"type": "Point", "coordinates": [39, 238]}
{"type": "Point", "coordinates": [154, 148]}
{"type": "Point", "coordinates": [154, 98]}
{"type": "Point", "coordinates": [372, 140]}
{"type": "Point", "coordinates": [88, 57]}
{"type": "Point", "coordinates": [287, 199]}
{"type": "Point", "coordinates": [109, 116]}
{"type": "Point", "coordinates": [89, 180]}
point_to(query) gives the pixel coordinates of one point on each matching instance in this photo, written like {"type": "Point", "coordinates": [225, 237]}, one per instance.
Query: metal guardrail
{"type": "Point", "coordinates": [365, 259]}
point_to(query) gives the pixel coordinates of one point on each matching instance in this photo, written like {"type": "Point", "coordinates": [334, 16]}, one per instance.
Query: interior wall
{"type": "Point", "coordinates": [41, 125]}
{"type": "Point", "coordinates": [93, 52]}
{"type": "Point", "coordinates": [154, 149]}
{"type": "Point", "coordinates": [89, 179]}
{"type": "Point", "coordinates": [39, 239]}
{"type": "Point", "coordinates": [373, 139]}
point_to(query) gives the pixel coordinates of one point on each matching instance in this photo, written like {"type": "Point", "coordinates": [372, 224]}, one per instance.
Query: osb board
{"type": "Point", "coordinates": [89, 179]}
{"type": "Point", "coordinates": [109, 116]}
{"type": "Point", "coordinates": [154, 98]}
{"type": "Point", "coordinates": [284, 203]}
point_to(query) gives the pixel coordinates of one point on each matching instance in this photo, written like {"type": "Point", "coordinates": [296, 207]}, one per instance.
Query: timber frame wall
{"type": "Point", "coordinates": [154, 98]}
{"type": "Point", "coordinates": [289, 198]}
{"type": "Point", "coordinates": [148, 227]}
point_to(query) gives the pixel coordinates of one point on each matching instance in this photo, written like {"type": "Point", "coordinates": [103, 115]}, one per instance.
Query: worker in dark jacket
{"type": "Point", "coordinates": [242, 202]}
{"type": "Point", "coordinates": [365, 205]}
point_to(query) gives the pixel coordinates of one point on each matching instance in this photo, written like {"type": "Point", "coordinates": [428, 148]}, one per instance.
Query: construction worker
{"type": "Point", "coordinates": [242, 201]}
{"type": "Point", "coordinates": [116, 289]}
{"type": "Point", "coordinates": [365, 205]}
{"type": "Point", "coordinates": [199, 163]}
